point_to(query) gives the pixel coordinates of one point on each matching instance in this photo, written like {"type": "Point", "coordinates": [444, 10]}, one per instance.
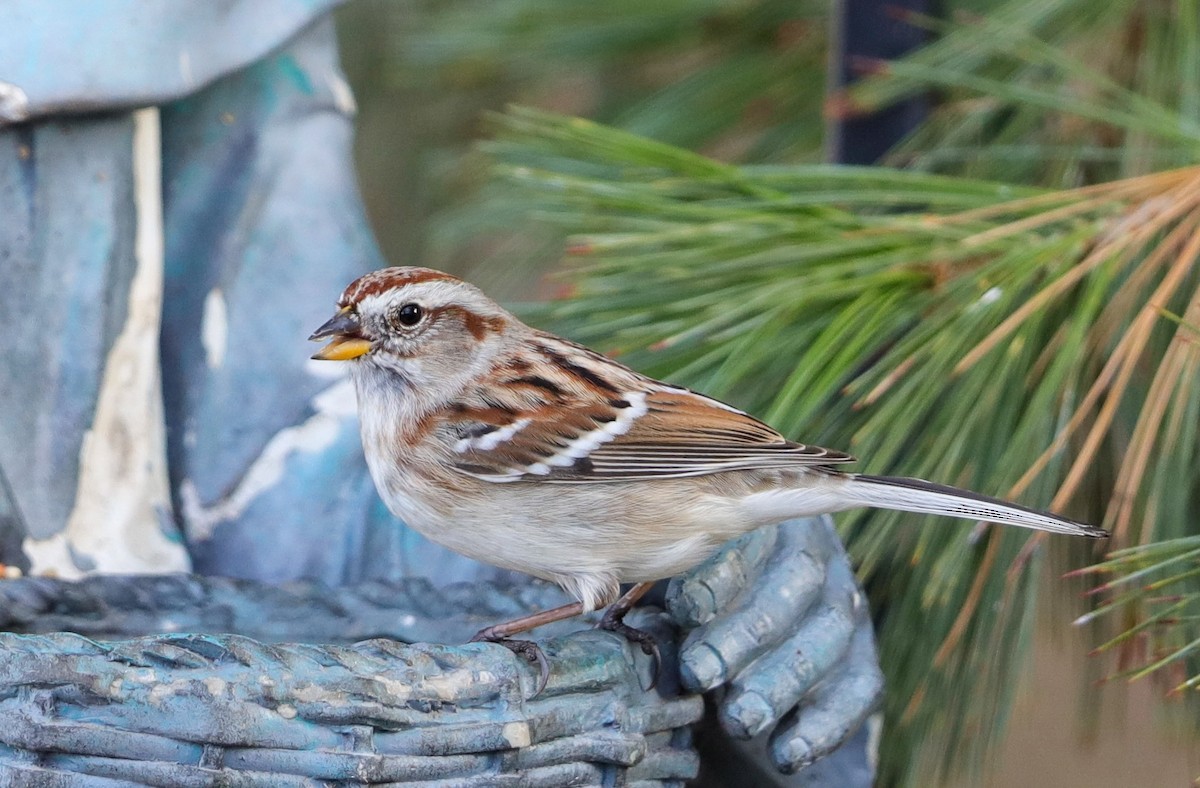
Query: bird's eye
{"type": "Point", "coordinates": [408, 315]}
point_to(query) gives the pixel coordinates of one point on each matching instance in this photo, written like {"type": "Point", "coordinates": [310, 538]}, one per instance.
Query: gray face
{"type": "Point", "coordinates": [428, 329]}
{"type": "Point", "coordinates": [431, 322]}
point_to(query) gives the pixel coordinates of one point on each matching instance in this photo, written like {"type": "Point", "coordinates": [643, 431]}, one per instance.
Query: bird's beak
{"type": "Point", "coordinates": [348, 341]}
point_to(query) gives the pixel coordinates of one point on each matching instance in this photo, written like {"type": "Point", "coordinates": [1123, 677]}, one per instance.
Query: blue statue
{"type": "Point", "coordinates": [184, 168]}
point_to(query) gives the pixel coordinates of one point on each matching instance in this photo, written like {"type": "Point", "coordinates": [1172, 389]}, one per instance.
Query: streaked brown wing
{"type": "Point", "coordinates": [654, 432]}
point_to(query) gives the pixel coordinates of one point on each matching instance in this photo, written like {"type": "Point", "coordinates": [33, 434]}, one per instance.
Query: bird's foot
{"type": "Point", "coordinates": [613, 621]}
{"type": "Point", "coordinates": [531, 651]}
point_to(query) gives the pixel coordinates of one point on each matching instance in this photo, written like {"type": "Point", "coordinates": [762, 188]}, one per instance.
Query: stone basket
{"type": "Point", "coordinates": [88, 699]}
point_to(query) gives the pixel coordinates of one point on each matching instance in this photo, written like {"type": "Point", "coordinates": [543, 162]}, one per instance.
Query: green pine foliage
{"type": "Point", "coordinates": [1157, 586]}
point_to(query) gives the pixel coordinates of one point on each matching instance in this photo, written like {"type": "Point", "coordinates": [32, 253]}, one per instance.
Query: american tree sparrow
{"type": "Point", "coordinates": [527, 451]}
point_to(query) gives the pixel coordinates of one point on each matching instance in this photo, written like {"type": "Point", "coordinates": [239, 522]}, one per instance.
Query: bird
{"type": "Point", "coordinates": [527, 451]}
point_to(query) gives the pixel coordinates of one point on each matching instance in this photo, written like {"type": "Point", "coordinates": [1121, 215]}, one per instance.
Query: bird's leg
{"type": "Point", "coordinates": [613, 620]}
{"type": "Point", "coordinates": [500, 633]}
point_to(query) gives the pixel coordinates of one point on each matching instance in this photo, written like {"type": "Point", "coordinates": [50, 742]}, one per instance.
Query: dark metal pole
{"type": "Point", "coordinates": [867, 31]}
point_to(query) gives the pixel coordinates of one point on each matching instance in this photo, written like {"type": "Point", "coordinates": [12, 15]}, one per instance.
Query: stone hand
{"type": "Point", "coordinates": [777, 620]}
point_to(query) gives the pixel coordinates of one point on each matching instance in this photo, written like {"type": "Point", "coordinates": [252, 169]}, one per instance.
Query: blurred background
{"type": "Point", "coordinates": [1013, 305]}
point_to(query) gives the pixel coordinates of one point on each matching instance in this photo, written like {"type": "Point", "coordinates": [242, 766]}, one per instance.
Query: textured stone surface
{"type": "Point", "coordinates": [131, 53]}
{"type": "Point", "coordinates": [225, 709]}
{"type": "Point", "coordinates": [66, 264]}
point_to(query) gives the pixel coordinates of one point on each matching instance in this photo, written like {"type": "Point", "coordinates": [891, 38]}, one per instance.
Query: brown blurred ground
{"type": "Point", "coordinates": [1130, 743]}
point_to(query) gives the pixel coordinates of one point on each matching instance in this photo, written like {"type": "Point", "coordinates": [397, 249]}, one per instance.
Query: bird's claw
{"type": "Point", "coordinates": [647, 642]}
{"type": "Point", "coordinates": [531, 651]}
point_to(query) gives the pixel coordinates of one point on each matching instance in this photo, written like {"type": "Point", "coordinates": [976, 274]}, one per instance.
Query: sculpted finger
{"type": "Point", "coordinates": [696, 598]}
{"type": "Point", "coordinates": [781, 678]}
{"type": "Point", "coordinates": [833, 712]}
{"type": "Point", "coordinates": [791, 581]}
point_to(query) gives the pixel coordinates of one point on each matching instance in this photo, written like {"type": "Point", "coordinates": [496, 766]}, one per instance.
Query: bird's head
{"type": "Point", "coordinates": [421, 324]}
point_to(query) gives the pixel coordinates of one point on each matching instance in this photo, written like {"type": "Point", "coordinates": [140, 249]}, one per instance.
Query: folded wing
{"type": "Point", "coordinates": [653, 431]}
